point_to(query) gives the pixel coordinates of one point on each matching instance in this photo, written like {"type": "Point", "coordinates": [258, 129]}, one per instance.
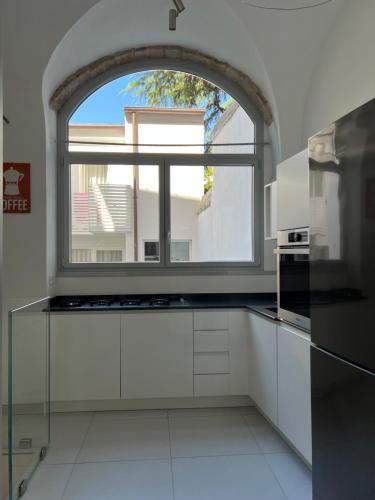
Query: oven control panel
{"type": "Point", "coordinates": [298, 237]}
{"type": "Point", "coordinates": [293, 237]}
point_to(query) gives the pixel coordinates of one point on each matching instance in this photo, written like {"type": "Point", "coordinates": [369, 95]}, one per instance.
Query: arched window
{"type": "Point", "coordinates": [160, 170]}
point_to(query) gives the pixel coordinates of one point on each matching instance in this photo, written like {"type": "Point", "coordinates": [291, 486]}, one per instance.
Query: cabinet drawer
{"type": "Point", "coordinates": [210, 341]}
{"type": "Point", "coordinates": [211, 385]}
{"type": "Point", "coordinates": [211, 320]}
{"type": "Point", "coordinates": [212, 362]}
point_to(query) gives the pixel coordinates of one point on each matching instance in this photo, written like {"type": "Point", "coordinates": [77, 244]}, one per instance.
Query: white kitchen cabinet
{"type": "Point", "coordinates": [211, 341]}
{"type": "Point", "coordinates": [211, 363]}
{"type": "Point", "coordinates": [262, 363]}
{"type": "Point", "coordinates": [157, 354]}
{"type": "Point", "coordinates": [212, 385]}
{"type": "Point", "coordinates": [211, 320]}
{"type": "Point", "coordinates": [29, 358]}
{"type": "Point", "coordinates": [294, 393]}
{"type": "Point", "coordinates": [293, 192]}
{"type": "Point", "coordinates": [238, 326]}
{"type": "Point", "coordinates": [220, 361]}
{"type": "Point", "coordinates": [85, 356]}
{"type": "Point", "coordinates": [270, 211]}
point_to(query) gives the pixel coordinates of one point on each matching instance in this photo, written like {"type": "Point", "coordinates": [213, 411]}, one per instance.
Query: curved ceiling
{"type": "Point", "coordinates": [117, 25]}
{"type": "Point", "coordinates": [277, 53]}
{"type": "Point", "coordinates": [285, 4]}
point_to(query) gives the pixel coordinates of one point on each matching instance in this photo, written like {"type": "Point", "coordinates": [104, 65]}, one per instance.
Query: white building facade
{"type": "Point", "coordinates": [115, 208]}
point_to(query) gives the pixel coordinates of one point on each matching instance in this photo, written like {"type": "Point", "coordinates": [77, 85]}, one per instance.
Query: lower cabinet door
{"type": "Point", "coordinates": [238, 362]}
{"type": "Point", "coordinates": [262, 355]}
{"type": "Point", "coordinates": [85, 357]}
{"type": "Point", "coordinates": [294, 389]}
{"type": "Point", "coordinates": [157, 355]}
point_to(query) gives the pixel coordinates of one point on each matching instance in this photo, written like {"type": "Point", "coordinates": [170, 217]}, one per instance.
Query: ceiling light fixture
{"type": "Point", "coordinates": [179, 6]}
{"type": "Point", "coordinates": [174, 13]}
{"type": "Point", "coordinates": [257, 5]}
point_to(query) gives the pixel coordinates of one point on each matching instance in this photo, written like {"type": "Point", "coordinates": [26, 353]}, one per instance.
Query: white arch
{"type": "Point", "coordinates": [211, 27]}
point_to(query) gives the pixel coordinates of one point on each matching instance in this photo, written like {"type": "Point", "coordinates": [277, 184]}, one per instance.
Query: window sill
{"type": "Point", "coordinates": [255, 269]}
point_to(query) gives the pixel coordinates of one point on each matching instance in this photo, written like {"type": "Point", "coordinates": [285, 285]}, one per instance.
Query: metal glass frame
{"type": "Point", "coordinates": [164, 161]}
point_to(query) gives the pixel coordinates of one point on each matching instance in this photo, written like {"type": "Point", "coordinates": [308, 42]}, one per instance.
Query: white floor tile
{"type": "Point", "coordinates": [126, 440]}
{"type": "Point", "coordinates": [134, 451]}
{"type": "Point", "coordinates": [110, 416]}
{"type": "Point", "coordinates": [292, 474]}
{"type": "Point", "coordinates": [225, 478]}
{"type": "Point", "coordinates": [31, 426]}
{"type": "Point", "coordinates": [211, 412]}
{"type": "Point", "coordinates": [48, 482]}
{"type": "Point", "coordinates": [65, 450]}
{"type": "Point", "coordinates": [208, 436]}
{"type": "Point", "coordinates": [268, 439]}
{"type": "Point", "coordinates": [67, 436]}
{"type": "Point", "coordinates": [148, 480]}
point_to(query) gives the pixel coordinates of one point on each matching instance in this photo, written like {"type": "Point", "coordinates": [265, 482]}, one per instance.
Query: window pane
{"type": "Point", "coordinates": [81, 255]}
{"type": "Point", "coordinates": [180, 251]}
{"type": "Point", "coordinates": [161, 111]}
{"type": "Point", "coordinates": [151, 250]}
{"type": "Point", "coordinates": [212, 209]}
{"type": "Point", "coordinates": [113, 210]}
{"type": "Point", "coordinates": [109, 256]}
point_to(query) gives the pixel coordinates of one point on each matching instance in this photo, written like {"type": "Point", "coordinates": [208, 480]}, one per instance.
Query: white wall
{"type": "Point", "coordinates": [225, 227]}
{"type": "Point", "coordinates": [42, 25]}
{"type": "Point", "coordinates": [278, 51]}
{"type": "Point", "coordinates": [230, 216]}
{"type": "Point", "coordinates": [344, 75]}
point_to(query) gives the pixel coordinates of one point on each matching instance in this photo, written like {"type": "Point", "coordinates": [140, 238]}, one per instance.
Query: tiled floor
{"type": "Point", "coordinates": [203, 454]}
{"type": "Point", "coordinates": [21, 464]}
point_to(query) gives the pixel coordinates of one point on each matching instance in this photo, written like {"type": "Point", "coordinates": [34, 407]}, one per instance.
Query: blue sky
{"type": "Point", "coordinates": [106, 104]}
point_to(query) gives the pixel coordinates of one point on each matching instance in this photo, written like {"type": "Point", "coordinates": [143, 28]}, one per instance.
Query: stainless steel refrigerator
{"type": "Point", "coordinates": [342, 286]}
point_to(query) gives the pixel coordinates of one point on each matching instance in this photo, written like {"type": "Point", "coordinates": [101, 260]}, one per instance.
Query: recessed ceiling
{"type": "Point", "coordinates": [285, 4]}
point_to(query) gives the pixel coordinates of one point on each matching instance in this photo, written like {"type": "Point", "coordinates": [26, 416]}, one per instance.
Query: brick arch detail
{"type": "Point", "coordinates": [167, 52]}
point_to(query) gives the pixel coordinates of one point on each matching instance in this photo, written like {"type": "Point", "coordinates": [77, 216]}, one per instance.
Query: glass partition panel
{"type": "Point", "coordinates": [26, 411]}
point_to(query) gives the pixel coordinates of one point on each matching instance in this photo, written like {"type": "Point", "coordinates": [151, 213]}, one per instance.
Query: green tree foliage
{"type": "Point", "coordinates": [208, 178]}
{"type": "Point", "coordinates": [178, 89]}
{"type": "Point", "coordinates": [173, 88]}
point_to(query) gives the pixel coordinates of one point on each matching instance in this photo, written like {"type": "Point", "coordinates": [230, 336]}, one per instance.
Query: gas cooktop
{"type": "Point", "coordinates": [118, 302]}
{"type": "Point", "coordinates": [100, 302]}
{"type": "Point", "coordinates": [160, 302]}
{"type": "Point", "coordinates": [131, 301]}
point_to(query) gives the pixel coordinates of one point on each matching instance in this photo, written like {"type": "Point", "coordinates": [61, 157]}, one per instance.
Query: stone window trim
{"type": "Point", "coordinates": [167, 52]}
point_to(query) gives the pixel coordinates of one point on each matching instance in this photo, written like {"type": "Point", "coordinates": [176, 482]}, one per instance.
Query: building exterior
{"type": "Point", "coordinates": [226, 223]}
{"type": "Point", "coordinates": [114, 208]}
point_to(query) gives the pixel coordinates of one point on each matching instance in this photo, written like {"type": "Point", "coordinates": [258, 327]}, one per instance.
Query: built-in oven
{"type": "Point", "coordinates": [293, 292]}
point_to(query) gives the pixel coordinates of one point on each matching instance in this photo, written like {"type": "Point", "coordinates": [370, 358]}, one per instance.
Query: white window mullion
{"type": "Point", "coordinates": [167, 213]}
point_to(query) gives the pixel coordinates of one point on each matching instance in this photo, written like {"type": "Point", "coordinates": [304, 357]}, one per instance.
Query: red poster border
{"type": "Point", "coordinates": [25, 188]}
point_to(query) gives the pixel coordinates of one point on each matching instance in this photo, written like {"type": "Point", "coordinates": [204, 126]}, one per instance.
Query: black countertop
{"type": "Point", "coordinates": [257, 302]}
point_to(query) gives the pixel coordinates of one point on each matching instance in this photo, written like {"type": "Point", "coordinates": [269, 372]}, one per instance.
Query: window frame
{"type": "Point", "coordinates": [65, 158]}
{"type": "Point", "coordinates": [164, 162]}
